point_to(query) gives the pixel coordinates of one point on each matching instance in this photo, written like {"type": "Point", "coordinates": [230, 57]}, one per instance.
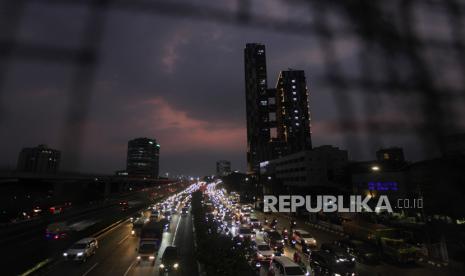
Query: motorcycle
{"type": "Point", "coordinates": [293, 224]}
{"type": "Point", "coordinates": [293, 242]}
{"type": "Point", "coordinates": [285, 235]}
{"type": "Point", "coordinates": [274, 224]}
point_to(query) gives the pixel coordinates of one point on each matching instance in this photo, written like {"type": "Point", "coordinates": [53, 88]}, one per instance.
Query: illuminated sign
{"type": "Point", "coordinates": [383, 186]}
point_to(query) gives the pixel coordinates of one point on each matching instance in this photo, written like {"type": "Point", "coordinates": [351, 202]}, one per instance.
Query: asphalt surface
{"type": "Point", "coordinates": [27, 251]}
{"type": "Point", "coordinates": [117, 254]}
{"type": "Point", "coordinates": [31, 248]}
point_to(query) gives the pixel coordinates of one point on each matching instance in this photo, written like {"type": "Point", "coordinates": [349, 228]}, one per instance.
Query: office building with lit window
{"type": "Point", "coordinates": [223, 168]}
{"type": "Point", "coordinates": [143, 158]}
{"type": "Point", "coordinates": [292, 111]}
{"type": "Point", "coordinates": [256, 94]}
{"type": "Point", "coordinates": [40, 159]}
{"type": "Point", "coordinates": [322, 166]}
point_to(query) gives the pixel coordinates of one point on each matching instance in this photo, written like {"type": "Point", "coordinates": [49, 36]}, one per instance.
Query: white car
{"type": "Point", "coordinates": [246, 233]}
{"type": "Point", "coordinates": [304, 238]}
{"type": "Point", "coordinates": [81, 250]}
{"type": "Point", "coordinates": [264, 251]}
{"type": "Point", "coordinates": [283, 266]}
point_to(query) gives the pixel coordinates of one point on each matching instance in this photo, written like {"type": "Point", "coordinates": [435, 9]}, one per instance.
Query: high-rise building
{"type": "Point", "coordinates": [223, 168]}
{"type": "Point", "coordinates": [292, 111]}
{"type": "Point", "coordinates": [143, 158]}
{"type": "Point", "coordinates": [40, 159]}
{"type": "Point", "coordinates": [258, 128]}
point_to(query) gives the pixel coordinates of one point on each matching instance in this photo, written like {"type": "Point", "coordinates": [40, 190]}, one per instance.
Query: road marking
{"type": "Point", "coordinates": [90, 269]}
{"type": "Point", "coordinates": [129, 268]}
{"type": "Point", "coordinates": [125, 238]}
{"type": "Point", "coordinates": [102, 233]}
{"type": "Point", "coordinates": [176, 231]}
{"type": "Point", "coordinates": [36, 267]}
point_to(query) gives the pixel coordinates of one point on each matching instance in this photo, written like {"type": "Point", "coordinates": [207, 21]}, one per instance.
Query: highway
{"type": "Point", "coordinates": [117, 254]}
{"type": "Point", "coordinates": [29, 248]}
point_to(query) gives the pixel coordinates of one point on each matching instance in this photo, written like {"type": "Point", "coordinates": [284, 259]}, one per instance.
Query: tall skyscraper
{"type": "Point", "coordinates": [40, 159]}
{"type": "Point", "coordinates": [292, 111]}
{"type": "Point", "coordinates": [258, 129]}
{"type": "Point", "coordinates": [143, 158]}
{"type": "Point", "coordinates": [223, 168]}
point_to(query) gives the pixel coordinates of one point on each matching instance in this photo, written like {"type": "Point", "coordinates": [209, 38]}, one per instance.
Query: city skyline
{"type": "Point", "coordinates": [225, 138]}
{"type": "Point", "coordinates": [138, 92]}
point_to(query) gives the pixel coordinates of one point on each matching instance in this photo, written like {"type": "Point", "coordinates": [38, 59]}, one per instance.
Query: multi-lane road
{"type": "Point", "coordinates": [117, 254]}
{"type": "Point", "coordinates": [25, 251]}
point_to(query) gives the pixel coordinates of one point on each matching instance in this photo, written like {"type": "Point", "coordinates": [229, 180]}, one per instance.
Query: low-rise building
{"type": "Point", "coordinates": [321, 166]}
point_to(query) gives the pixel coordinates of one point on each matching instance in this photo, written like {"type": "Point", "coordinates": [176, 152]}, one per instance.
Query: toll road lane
{"type": "Point", "coordinates": [181, 236]}
{"type": "Point", "coordinates": [184, 240]}
{"type": "Point", "coordinates": [113, 244]}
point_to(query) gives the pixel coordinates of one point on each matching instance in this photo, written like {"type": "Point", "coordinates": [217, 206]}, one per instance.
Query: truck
{"type": "Point", "coordinates": [388, 240]}
{"type": "Point", "coordinates": [150, 239]}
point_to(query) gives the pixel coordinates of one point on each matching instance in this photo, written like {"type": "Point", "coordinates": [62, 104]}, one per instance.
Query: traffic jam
{"type": "Point", "coordinates": [148, 227]}
{"type": "Point", "coordinates": [273, 249]}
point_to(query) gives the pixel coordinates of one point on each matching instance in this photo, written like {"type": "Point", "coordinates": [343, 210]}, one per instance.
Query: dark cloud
{"type": "Point", "coordinates": [182, 81]}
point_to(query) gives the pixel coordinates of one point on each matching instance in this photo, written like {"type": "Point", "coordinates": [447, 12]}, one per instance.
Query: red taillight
{"type": "Point", "coordinates": [56, 237]}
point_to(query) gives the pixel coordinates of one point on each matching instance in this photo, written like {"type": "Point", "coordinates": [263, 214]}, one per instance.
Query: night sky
{"type": "Point", "coordinates": [180, 81]}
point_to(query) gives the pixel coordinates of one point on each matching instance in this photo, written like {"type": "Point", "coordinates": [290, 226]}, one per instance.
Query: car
{"type": "Point", "coordinates": [363, 252]}
{"type": "Point", "coordinates": [264, 251]}
{"type": "Point", "coordinates": [245, 218]}
{"type": "Point", "coordinates": [169, 260]}
{"type": "Point", "coordinates": [303, 238]}
{"type": "Point", "coordinates": [283, 266]}
{"type": "Point", "coordinates": [167, 215]}
{"type": "Point", "coordinates": [81, 250]}
{"type": "Point", "coordinates": [341, 254]}
{"type": "Point", "coordinates": [274, 239]}
{"type": "Point", "coordinates": [325, 263]}
{"type": "Point", "coordinates": [137, 226]}
{"type": "Point", "coordinates": [124, 205]}
{"type": "Point", "coordinates": [135, 217]}
{"type": "Point", "coordinates": [165, 224]}
{"type": "Point", "coordinates": [245, 232]}
{"type": "Point", "coordinates": [57, 231]}
{"type": "Point", "coordinates": [229, 220]}
{"type": "Point", "coordinates": [154, 215]}
{"type": "Point", "coordinates": [255, 223]}
{"type": "Point", "coordinates": [184, 211]}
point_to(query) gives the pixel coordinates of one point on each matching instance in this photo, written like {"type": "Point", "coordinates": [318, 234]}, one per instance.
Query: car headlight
{"type": "Point", "coordinates": [241, 236]}
{"type": "Point", "coordinates": [138, 257]}
{"type": "Point", "coordinates": [337, 274]}
{"type": "Point", "coordinates": [152, 257]}
{"type": "Point", "coordinates": [65, 254]}
{"type": "Point", "coordinates": [162, 266]}
{"type": "Point", "coordinates": [176, 265]}
{"type": "Point", "coordinates": [79, 254]}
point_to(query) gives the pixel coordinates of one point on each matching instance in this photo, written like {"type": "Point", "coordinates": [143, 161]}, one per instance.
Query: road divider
{"type": "Point", "coordinates": [106, 230]}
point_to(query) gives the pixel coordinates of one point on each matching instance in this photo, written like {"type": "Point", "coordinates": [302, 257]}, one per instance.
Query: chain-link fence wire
{"type": "Point", "coordinates": [397, 56]}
